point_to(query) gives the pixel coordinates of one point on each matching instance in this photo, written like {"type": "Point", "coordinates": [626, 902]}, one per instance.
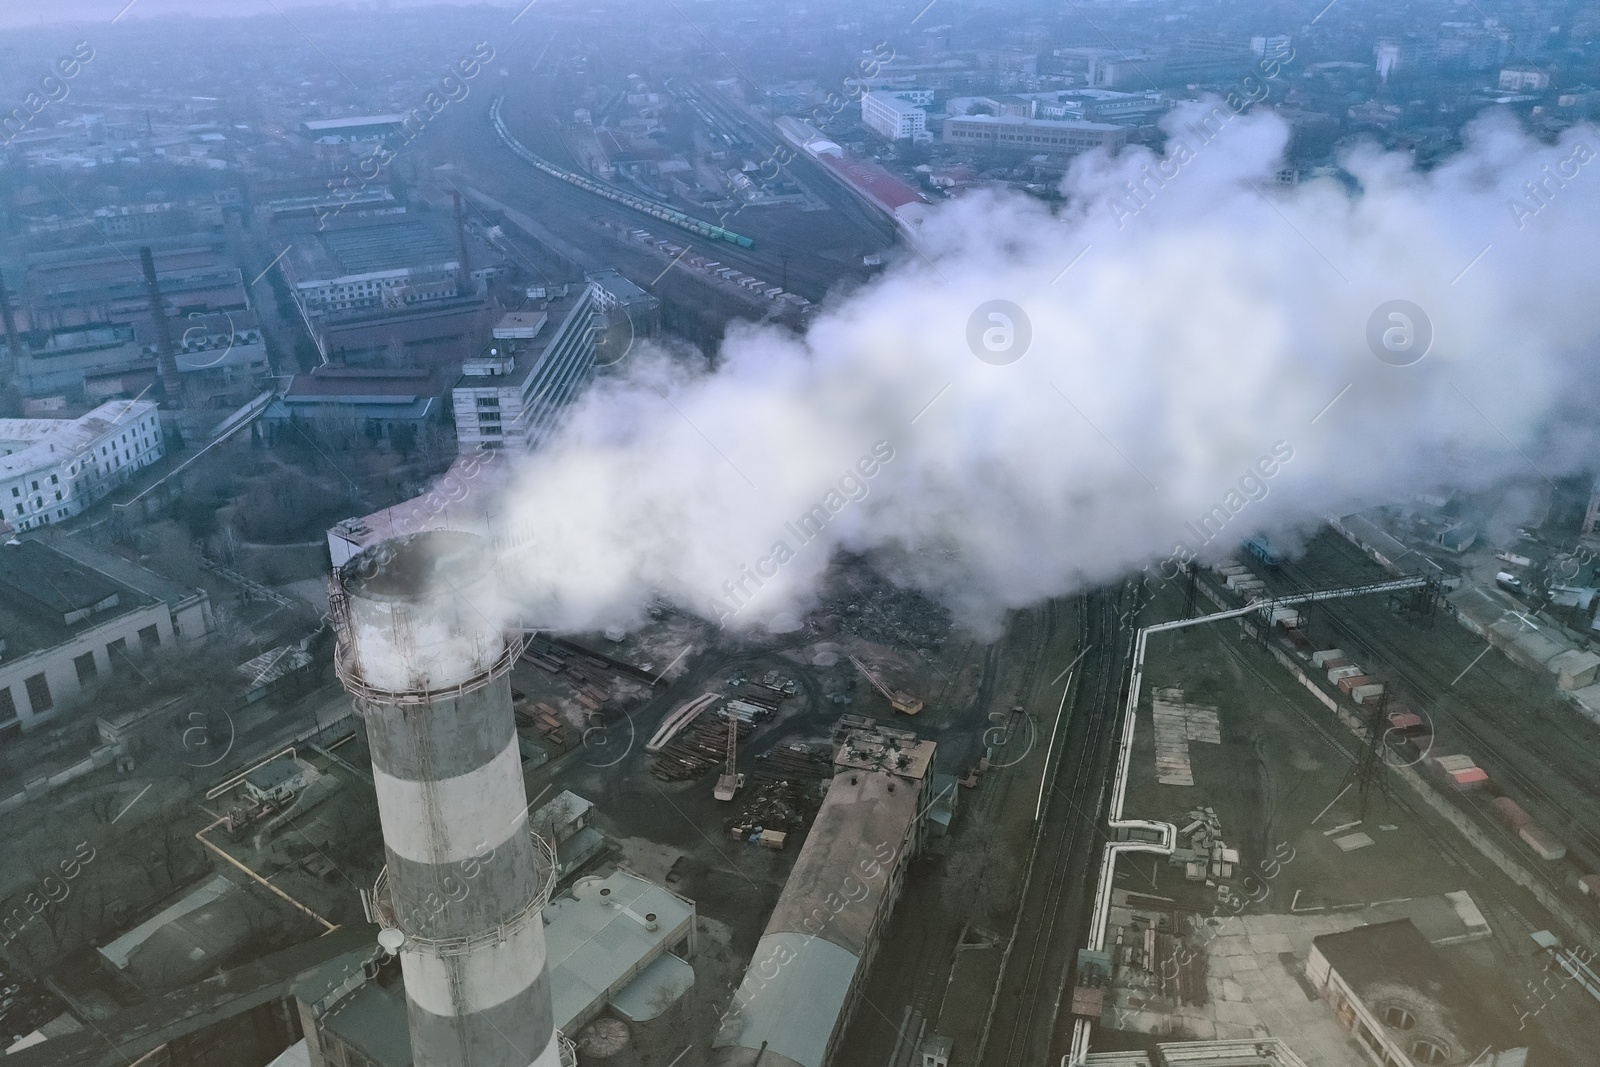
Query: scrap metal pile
{"type": "Point", "coordinates": [793, 763]}
{"type": "Point", "coordinates": [697, 749]}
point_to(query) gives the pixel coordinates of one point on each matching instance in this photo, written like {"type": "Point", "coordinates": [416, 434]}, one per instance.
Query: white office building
{"type": "Point", "coordinates": [51, 469]}
{"type": "Point", "coordinates": [541, 359]}
{"type": "Point", "coordinates": [898, 116]}
{"type": "Point", "coordinates": [538, 361]}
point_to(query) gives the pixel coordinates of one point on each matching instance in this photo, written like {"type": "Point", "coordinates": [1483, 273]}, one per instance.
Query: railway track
{"type": "Point", "coordinates": [1050, 920]}
{"type": "Point", "coordinates": [1455, 853]}
{"type": "Point", "coordinates": [1461, 713]}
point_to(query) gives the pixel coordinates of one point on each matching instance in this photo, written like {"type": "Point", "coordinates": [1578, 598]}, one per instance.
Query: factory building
{"type": "Point", "coordinates": [799, 992]}
{"type": "Point", "coordinates": [391, 265]}
{"type": "Point", "coordinates": [1391, 988]}
{"type": "Point", "coordinates": [353, 127]}
{"type": "Point", "coordinates": [102, 283]}
{"type": "Point", "coordinates": [51, 469]}
{"type": "Point", "coordinates": [899, 116]}
{"type": "Point", "coordinates": [617, 942]}
{"type": "Point", "coordinates": [430, 675]}
{"type": "Point", "coordinates": [1048, 136]}
{"type": "Point", "coordinates": [378, 399]}
{"type": "Point", "coordinates": [366, 286]}
{"type": "Point", "coordinates": [67, 621]}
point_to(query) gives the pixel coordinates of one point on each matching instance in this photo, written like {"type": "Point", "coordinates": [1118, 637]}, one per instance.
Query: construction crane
{"type": "Point", "coordinates": [730, 781]}
{"type": "Point", "coordinates": [898, 699]}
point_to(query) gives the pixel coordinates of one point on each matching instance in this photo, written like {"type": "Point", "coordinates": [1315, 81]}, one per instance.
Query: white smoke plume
{"type": "Point", "coordinates": [1191, 322]}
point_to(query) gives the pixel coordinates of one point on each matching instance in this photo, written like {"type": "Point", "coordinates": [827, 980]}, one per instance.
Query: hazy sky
{"type": "Point", "coordinates": [36, 12]}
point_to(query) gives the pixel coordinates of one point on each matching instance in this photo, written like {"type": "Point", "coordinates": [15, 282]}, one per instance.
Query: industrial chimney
{"type": "Point", "coordinates": [14, 342]}
{"type": "Point", "coordinates": [463, 264]}
{"type": "Point", "coordinates": [167, 360]}
{"type": "Point", "coordinates": [466, 881]}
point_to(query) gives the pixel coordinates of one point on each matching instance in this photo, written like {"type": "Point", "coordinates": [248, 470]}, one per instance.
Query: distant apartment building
{"type": "Point", "coordinates": [1106, 68]}
{"type": "Point", "coordinates": [51, 469]}
{"type": "Point", "coordinates": [71, 616]}
{"type": "Point", "coordinates": [1516, 80]}
{"type": "Point", "coordinates": [897, 115]}
{"type": "Point", "coordinates": [1008, 60]}
{"type": "Point", "coordinates": [1275, 46]}
{"type": "Point", "coordinates": [1033, 136]}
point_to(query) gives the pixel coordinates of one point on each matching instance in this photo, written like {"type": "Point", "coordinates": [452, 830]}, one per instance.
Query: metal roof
{"type": "Point", "coordinates": [655, 989]}
{"type": "Point", "coordinates": [597, 938]}
{"type": "Point", "coordinates": [395, 245]}
{"type": "Point", "coordinates": [793, 1014]}
{"type": "Point", "coordinates": [55, 440]}
{"type": "Point", "coordinates": [373, 1020]}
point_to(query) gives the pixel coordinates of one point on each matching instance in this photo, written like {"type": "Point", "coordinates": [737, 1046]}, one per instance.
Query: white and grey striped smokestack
{"type": "Point", "coordinates": [466, 882]}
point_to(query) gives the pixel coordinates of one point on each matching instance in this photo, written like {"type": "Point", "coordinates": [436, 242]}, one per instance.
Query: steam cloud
{"type": "Point", "coordinates": [1207, 320]}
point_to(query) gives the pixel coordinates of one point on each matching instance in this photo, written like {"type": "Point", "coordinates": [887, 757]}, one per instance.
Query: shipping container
{"type": "Point", "coordinates": [1448, 763]}
{"type": "Point", "coordinates": [1589, 885]}
{"type": "Point", "coordinates": [1403, 722]}
{"type": "Point", "coordinates": [1547, 845]}
{"type": "Point", "coordinates": [1366, 694]}
{"type": "Point", "coordinates": [1339, 674]}
{"type": "Point", "coordinates": [1471, 778]}
{"type": "Point", "coordinates": [1320, 659]}
{"type": "Point", "coordinates": [1349, 685]}
{"type": "Point", "coordinates": [1510, 812]}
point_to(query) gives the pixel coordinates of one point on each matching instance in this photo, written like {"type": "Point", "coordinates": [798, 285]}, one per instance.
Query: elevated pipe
{"type": "Point", "coordinates": [1168, 842]}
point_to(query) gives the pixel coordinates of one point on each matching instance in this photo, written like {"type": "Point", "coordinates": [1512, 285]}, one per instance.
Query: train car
{"type": "Point", "coordinates": [1259, 547]}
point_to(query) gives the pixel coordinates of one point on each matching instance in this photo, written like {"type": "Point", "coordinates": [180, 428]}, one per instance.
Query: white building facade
{"type": "Point", "coordinates": [897, 116]}
{"type": "Point", "coordinates": [51, 469]}
{"type": "Point", "coordinates": [1048, 136]}
{"type": "Point", "coordinates": [511, 397]}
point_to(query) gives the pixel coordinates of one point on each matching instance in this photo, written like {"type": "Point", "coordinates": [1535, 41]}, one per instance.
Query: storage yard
{"type": "Point", "coordinates": [1278, 844]}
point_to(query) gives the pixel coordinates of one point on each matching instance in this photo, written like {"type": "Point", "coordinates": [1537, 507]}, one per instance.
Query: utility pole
{"type": "Point", "coordinates": [1366, 774]}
